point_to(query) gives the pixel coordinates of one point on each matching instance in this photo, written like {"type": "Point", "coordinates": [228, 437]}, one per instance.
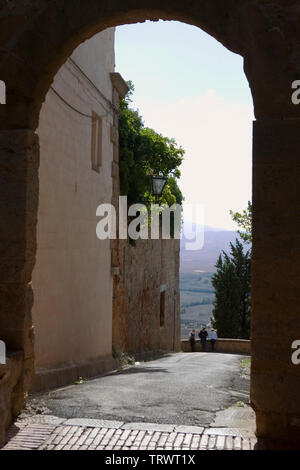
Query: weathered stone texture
{"type": "Point", "coordinates": [275, 380]}
{"type": "Point", "coordinates": [18, 207]}
{"type": "Point", "coordinates": [136, 310]}
{"type": "Point", "coordinates": [5, 409]}
{"type": "Point", "coordinates": [12, 392]}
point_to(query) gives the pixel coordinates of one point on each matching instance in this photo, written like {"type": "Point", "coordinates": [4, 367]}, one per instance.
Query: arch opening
{"type": "Point", "coordinates": [243, 28]}
{"type": "Point", "coordinates": [63, 302]}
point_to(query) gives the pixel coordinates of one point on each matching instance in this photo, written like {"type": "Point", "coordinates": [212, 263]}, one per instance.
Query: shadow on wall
{"type": "Point", "coordinates": [139, 370]}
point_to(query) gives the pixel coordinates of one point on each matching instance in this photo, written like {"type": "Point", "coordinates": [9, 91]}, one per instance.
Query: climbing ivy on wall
{"type": "Point", "coordinates": [144, 152]}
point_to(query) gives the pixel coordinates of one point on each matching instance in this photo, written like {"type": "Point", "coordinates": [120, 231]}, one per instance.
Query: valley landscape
{"type": "Point", "coordinates": [196, 271]}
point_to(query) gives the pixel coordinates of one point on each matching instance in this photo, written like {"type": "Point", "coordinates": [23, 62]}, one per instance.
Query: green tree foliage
{"type": "Point", "coordinates": [244, 221]}
{"type": "Point", "coordinates": [232, 283]}
{"type": "Point", "coordinates": [171, 193]}
{"type": "Point", "coordinates": [144, 152]}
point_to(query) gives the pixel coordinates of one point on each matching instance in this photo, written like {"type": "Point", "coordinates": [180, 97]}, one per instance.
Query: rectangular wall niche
{"type": "Point", "coordinates": [2, 92]}
{"type": "Point", "coordinates": [96, 142]}
{"type": "Point", "coordinates": [162, 308]}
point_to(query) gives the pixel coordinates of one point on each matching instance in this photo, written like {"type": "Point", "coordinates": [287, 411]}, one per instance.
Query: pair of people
{"type": "Point", "coordinates": [203, 335]}
{"type": "Point", "coordinates": [212, 336]}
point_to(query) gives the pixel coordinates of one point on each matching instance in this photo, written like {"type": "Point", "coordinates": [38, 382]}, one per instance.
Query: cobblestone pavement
{"type": "Point", "coordinates": [84, 434]}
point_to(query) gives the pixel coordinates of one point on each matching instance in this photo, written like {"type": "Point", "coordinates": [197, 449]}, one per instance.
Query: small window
{"type": "Point", "coordinates": [96, 142]}
{"type": "Point", "coordinates": [2, 92]}
{"type": "Point", "coordinates": [162, 308]}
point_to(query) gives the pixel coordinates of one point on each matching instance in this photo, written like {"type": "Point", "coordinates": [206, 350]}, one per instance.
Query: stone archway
{"type": "Point", "coordinates": [36, 39]}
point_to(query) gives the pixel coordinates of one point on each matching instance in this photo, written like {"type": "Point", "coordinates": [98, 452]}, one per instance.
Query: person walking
{"type": "Point", "coordinates": [192, 340]}
{"type": "Point", "coordinates": [203, 337]}
{"type": "Point", "coordinates": [213, 338]}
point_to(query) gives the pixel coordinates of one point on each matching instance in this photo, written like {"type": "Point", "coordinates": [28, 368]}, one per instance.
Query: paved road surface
{"type": "Point", "coordinates": [180, 389]}
{"type": "Point", "coordinates": [179, 402]}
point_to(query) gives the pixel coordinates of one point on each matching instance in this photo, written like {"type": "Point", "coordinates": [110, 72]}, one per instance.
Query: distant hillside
{"type": "Point", "coordinates": [215, 240]}
{"type": "Point", "coordinates": [196, 269]}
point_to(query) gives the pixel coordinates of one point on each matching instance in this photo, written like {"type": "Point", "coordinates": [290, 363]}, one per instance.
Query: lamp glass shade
{"type": "Point", "coordinates": [158, 184]}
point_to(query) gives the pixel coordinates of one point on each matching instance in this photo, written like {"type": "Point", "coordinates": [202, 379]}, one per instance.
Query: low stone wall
{"type": "Point", "coordinates": [223, 345]}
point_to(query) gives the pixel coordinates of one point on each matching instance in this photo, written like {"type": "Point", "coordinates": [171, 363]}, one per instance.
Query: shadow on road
{"type": "Point", "coordinates": [139, 370]}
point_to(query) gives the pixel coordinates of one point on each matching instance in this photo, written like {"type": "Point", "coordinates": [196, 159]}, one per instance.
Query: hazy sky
{"type": "Point", "coordinates": [188, 86]}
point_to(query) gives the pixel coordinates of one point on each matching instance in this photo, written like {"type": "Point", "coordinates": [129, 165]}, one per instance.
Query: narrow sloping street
{"type": "Point", "coordinates": [186, 389]}
{"type": "Point", "coordinates": [169, 400]}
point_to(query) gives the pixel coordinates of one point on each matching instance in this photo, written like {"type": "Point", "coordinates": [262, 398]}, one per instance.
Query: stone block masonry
{"type": "Point", "coordinates": [146, 308]}
{"type": "Point", "coordinates": [105, 435]}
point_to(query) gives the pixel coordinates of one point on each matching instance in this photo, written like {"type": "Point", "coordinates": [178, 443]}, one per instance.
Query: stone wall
{"type": "Point", "coordinates": [18, 167]}
{"type": "Point", "coordinates": [12, 393]}
{"type": "Point", "coordinates": [231, 346]}
{"type": "Point", "coordinates": [149, 275]}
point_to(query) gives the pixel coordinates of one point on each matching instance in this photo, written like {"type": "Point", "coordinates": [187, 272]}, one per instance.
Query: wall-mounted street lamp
{"type": "Point", "coordinates": [158, 184]}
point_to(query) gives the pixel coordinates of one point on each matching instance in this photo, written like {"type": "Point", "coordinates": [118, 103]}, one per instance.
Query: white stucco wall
{"type": "Point", "coordinates": [72, 283]}
{"type": "Point", "coordinates": [94, 60]}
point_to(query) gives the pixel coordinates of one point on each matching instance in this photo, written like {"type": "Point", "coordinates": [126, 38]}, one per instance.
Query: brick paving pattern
{"type": "Point", "coordinates": [136, 436]}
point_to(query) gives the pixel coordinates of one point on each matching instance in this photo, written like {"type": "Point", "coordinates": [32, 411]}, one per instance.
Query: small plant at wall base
{"type": "Point", "coordinates": [144, 152]}
{"type": "Point", "coordinates": [240, 404]}
{"type": "Point", "coordinates": [123, 358]}
{"type": "Point", "coordinates": [80, 381]}
{"type": "Point", "coordinates": [232, 283]}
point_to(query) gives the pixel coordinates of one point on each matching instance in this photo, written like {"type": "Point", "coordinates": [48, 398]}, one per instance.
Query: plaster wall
{"type": "Point", "coordinates": [72, 283]}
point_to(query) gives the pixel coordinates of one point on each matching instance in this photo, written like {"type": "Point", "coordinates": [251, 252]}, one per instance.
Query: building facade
{"type": "Point", "coordinates": [146, 302]}
{"type": "Point", "coordinates": [72, 280]}
{"type": "Point", "coordinates": [82, 308]}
